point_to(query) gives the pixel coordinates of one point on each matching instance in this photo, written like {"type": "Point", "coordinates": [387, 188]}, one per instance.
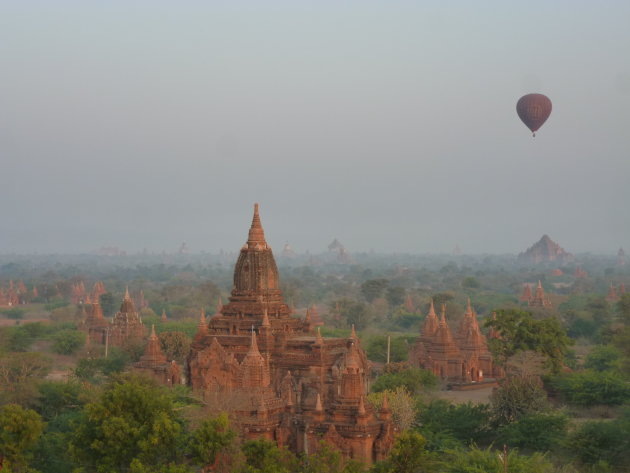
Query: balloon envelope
{"type": "Point", "coordinates": [533, 110]}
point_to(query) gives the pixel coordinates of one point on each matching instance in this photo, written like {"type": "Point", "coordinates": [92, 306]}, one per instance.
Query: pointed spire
{"type": "Point", "coordinates": [253, 349]}
{"type": "Point", "coordinates": [319, 340]}
{"type": "Point", "coordinates": [468, 308]}
{"type": "Point", "coordinates": [127, 296]}
{"type": "Point", "coordinates": [164, 317]}
{"type": "Point", "coordinates": [256, 232]}
{"type": "Point", "coordinates": [153, 336]}
{"type": "Point", "coordinates": [361, 410]}
{"type": "Point", "coordinates": [443, 315]}
{"type": "Point", "coordinates": [353, 333]}
{"type": "Point", "coordinates": [318, 404]}
{"type": "Point", "coordinates": [265, 319]}
{"type": "Point", "coordinates": [432, 310]}
{"type": "Point", "coordinates": [385, 406]}
{"type": "Point", "coordinates": [307, 317]}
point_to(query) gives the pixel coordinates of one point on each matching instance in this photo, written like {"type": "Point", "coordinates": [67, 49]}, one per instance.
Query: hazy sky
{"type": "Point", "coordinates": [389, 125]}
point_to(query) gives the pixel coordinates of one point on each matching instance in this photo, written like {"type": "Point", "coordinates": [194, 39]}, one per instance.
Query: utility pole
{"type": "Point", "coordinates": [106, 341]}
{"type": "Point", "coordinates": [389, 343]}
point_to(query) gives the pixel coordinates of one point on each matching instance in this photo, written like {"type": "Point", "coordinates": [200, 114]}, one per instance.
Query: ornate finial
{"type": "Point", "coordinates": [319, 340]}
{"type": "Point", "coordinates": [127, 296]}
{"type": "Point", "coordinates": [256, 232]}
{"type": "Point", "coordinates": [153, 335]}
{"type": "Point", "coordinates": [353, 334]}
{"type": "Point", "coordinates": [254, 346]}
{"type": "Point", "coordinates": [432, 309]}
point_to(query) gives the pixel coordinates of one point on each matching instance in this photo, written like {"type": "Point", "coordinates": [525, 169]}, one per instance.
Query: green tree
{"type": "Point", "coordinates": [401, 404]}
{"type": "Point", "coordinates": [263, 456]}
{"type": "Point", "coordinates": [67, 342]}
{"type": "Point", "coordinates": [19, 431]}
{"type": "Point", "coordinates": [521, 332]}
{"type": "Point", "coordinates": [445, 424]}
{"type": "Point", "coordinates": [470, 282]}
{"type": "Point", "coordinates": [475, 460]}
{"type": "Point", "coordinates": [604, 358]}
{"type": "Point", "coordinates": [539, 431]}
{"type": "Point", "coordinates": [602, 442]}
{"type": "Point", "coordinates": [589, 388]}
{"type": "Point", "coordinates": [373, 288]}
{"type": "Point", "coordinates": [14, 313]}
{"type": "Point", "coordinates": [395, 295]}
{"type": "Point", "coordinates": [408, 455]}
{"type": "Point", "coordinates": [414, 380]}
{"type": "Point", "coordinates": [213, 443]}
{"type": "Point", "coordinates": [376, 348]}
{"type": "Point", "coordinates": [132, 426]}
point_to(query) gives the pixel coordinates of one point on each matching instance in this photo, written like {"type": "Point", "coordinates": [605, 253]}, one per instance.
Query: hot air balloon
{"type": "Point", "coordinates": [533, 110]}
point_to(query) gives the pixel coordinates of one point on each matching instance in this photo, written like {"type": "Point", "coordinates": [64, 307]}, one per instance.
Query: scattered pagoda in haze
{"type": "Point", "coordinates": [462, 358]}
{"type": "Point", "coordinates": [155, 364]}
{"type": "Point", "coordinates": [621, 257]}
{"type": "Point", "coordinates": [545, 250]}
{"type": "Point", "coordinates": [537, 299]}
{"type": "Point", "coordinates": [283, 381]}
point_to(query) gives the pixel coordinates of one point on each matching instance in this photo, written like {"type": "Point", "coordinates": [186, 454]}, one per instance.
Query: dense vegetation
{"type": "Point", "coordinates": [564, 406]}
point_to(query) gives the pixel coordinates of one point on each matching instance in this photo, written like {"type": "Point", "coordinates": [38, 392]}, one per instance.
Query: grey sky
{"type": "Point", "coordinates": [389, 125]}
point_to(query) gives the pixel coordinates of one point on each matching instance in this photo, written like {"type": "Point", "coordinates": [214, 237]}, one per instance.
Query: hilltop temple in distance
{"type": "Point", "coordinates": [546, 250]}
{"type": "Point", "coordinates": [461, 358]}
{"type": "Point", "coordinates": [277, 376]}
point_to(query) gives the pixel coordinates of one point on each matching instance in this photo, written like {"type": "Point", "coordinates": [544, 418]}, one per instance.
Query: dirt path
{"type": "Point", "coordinates": [476, 396]}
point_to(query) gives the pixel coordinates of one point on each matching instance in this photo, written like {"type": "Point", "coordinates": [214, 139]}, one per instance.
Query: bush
{"type": "Point", "coordinates": [67, 342]}
{"type": "Point", "coordinates": [589, 388]}
{"type": "Point", "coordinates": [413, 379]}
{"type": "Point", "coordinates": [15, 313]}
{"type": "Point", "coordinates": [540, 431]}
{"type": "Point", "coordinates": [442, 423]}
{"type": "Point", "coordinates": [604, 358]}
{"type": "Point", "coordinates": [601, 441]}
{"type": "Point", "coordinates": [376, 349]}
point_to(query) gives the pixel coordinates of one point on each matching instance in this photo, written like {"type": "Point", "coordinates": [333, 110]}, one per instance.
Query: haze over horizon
{"type": "Point", "coordinates": [389, 125]}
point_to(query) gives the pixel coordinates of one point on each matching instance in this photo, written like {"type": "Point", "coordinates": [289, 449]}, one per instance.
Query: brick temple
{"type": "Point", "coordinates": [462, 357]}
{"type": "Point", "coordinates": [278, 377]}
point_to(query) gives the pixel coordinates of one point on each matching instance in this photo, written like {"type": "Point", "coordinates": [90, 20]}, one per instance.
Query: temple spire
{"type": "Point", "coordinates": [256, 232]}
{"type": "Point", "coordinates": [353, 334]}
{"type": "Point", "coordinates": [127, 296]}
{"type": "Point", "coordinates": [443, 315]}
{"type": "Point", "coordinates": [432, 310]}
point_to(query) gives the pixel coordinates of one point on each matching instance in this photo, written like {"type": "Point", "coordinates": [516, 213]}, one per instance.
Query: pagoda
{"type": "Point", "coordinates": [283, 381]}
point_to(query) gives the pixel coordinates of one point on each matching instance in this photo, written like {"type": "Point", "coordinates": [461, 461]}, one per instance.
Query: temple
{"type": "Point", "coordinates": [545, 250]}
{"type": "Point", "coordinates": [462, 358]}
{"type": "Point", "coordinates": [277, 376]}
{"type": "Point", "coordinates": [154, 363]}
{"type": "Point", "coordinates": [537, 299]}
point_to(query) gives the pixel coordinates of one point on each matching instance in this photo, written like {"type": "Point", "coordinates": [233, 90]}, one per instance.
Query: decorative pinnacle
{"type": "Point", "coordinates": [468, 307]}
{"type": "Point", "coordinates": [320, 340]}
{"type": "Point", "coordinates": [127, 296]}
{"type": "Point", "coordinates": [353, 334]}
{"type": "Point", "coordinates": [256, 232]}
{"type": "Point", "coordinates": [385, 406]}
{"type": "Point", "coordinates": [153, 335]}
{"type": "Point", "coordinates": [254, 346]}
{"type": "Point", "coordinates": [432, 310]}
{"type": "Point", "coordinates": [539, 284]}
{"type": "Point", "coordinates": [443, 315]}
{"type": "Point", "coordinates": [361, 406]}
